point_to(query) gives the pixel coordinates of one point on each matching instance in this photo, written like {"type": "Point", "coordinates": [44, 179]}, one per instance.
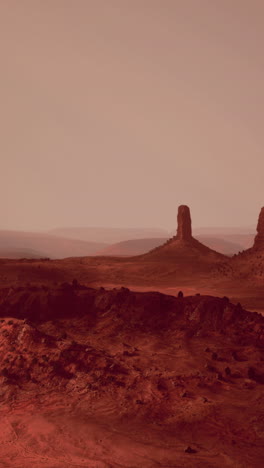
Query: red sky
{"type": "Point", "coordinates": [114, 112]}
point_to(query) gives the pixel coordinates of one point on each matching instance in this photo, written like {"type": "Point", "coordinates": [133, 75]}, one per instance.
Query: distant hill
{"type": "Point", "coordinates": [245, 240]}
{"type": "Point", "coordinates": [228, 245]}
{"type": "Point", "coordinates": [19, 253]}
{"type": "Point", "coordinates": [209, 231]}
{"type": "Point", "coordinates": [141, 246]}
{"type": "Point", "coordinates": [16, 244]}
{"type": "Point", "coordinates": [108, 241]}
{"type": "Point", "coordinates": [109, 235]}
{"type": "Point", "coordinates": [241, 237]}
{"type": "Point", "coordinates": [132, 247]}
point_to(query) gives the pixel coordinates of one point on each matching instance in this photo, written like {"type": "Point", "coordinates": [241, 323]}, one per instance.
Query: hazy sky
{"type": "Point", "coordinates": [114, 112]}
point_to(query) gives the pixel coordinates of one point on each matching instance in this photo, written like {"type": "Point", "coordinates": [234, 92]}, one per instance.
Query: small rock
{"type": "Point", "coordinates": [210, 368]}
{"type": "Point", "coordinates": [190, 450]}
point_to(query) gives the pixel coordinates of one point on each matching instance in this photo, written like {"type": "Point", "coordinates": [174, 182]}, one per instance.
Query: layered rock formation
{"type": "Point", "coordinates": [259, 239]}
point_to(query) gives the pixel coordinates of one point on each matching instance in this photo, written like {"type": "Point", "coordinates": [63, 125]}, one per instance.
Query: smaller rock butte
{"type": "Point", "coordinates": [259, 239]}
{"type": "Point", "coordinates": [184, 230]}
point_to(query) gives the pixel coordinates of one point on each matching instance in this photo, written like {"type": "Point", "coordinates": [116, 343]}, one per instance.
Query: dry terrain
{"type": "Point", "coordinates": [100, 371]}
{"type": "Point", "coordinates": [111, 379]}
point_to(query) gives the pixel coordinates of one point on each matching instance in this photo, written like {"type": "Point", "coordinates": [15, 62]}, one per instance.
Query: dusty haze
{"type": "Point", "coordinates": [115, 112]}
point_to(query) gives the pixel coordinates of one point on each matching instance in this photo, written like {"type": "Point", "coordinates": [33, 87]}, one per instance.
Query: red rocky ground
{"type": "Point", "coordinates": [116, 378]}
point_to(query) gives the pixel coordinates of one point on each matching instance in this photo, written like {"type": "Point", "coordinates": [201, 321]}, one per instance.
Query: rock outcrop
{"type": "Point", "coordinates": [141, 311]}
{"type": "Point", "coordinates": [248, 265]}
{"type": "Point", "coordinates": [184, 231]}
{"type": "Point", "coordinates": [109, 370]}
{"type": "Point", "coordinates": [259, 239]}
{"type": "Point", "coordinates": [183, 249]}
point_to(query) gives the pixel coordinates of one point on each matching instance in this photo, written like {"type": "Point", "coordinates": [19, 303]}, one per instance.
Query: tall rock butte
{"type": "Point", "coordinates": [184, 230]}
{"type": "Point", "coordinates": [259, 239]}
{"type": "Point", "coordinates": [183, 249]}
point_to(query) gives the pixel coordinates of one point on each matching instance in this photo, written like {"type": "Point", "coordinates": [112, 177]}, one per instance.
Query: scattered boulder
{"type": "Point", "coordinates": [190, 450]}
{"type": "Point", "coordinates": [253, 374]}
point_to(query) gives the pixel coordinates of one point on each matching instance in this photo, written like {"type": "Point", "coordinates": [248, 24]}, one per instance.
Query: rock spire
{"type": "Point", "coordinates": [184, 231]}
{"type": "Point", "coordinates": [259, 239]}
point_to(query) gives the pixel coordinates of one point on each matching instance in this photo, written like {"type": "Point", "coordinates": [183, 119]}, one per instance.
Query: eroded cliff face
{"type": "Point", "coordinates": [259, 239]}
